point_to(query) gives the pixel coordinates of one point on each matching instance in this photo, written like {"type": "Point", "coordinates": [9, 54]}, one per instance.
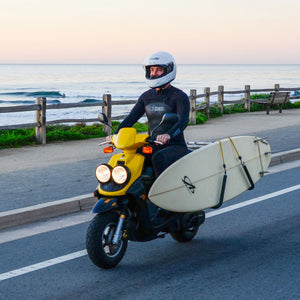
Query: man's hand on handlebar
{"type": "Point", "coordinates": [162, 139]}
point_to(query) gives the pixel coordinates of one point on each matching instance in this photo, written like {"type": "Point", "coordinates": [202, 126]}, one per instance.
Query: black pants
{"type": "Point", "coordinates": [164, 156]}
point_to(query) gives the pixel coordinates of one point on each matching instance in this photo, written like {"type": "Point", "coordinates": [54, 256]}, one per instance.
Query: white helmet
{"type": "Point", "coordinates": [161, 59]}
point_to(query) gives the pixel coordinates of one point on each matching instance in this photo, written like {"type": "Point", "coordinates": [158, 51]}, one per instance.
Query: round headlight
{"type": "Point", "coordinates": [103, 173]}
{"type": "Point", "coordinates": [119, 174]}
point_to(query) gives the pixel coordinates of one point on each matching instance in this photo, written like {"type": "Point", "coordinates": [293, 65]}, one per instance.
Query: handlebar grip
{"type": "Point", "coordinates": [151, 140]}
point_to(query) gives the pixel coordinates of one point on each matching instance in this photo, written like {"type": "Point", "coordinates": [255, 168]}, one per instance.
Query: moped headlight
{"type": "Point", "coordinates": [103, 173]}
{"type": "Point", "coordinates": [120, 174]}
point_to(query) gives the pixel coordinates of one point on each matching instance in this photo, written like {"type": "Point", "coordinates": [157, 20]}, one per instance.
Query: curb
{"type": "Point", "coordinates": [58, 208]}
{"type": "Point", "coordinates": [45, 211]}
{"type": "Point", "coordinates": [285, 156]}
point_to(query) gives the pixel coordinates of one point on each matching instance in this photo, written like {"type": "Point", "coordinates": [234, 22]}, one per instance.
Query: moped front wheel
{"type": "Point", "coordinates": [101, 250]}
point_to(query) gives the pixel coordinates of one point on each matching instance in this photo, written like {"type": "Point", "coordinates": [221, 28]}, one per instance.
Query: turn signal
{"type": "Point", "coordinates": [147, 150]}
{"type": "Point", "coordinates": [109, 149]}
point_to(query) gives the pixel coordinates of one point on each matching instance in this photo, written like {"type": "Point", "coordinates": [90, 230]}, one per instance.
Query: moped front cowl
{"type": "Point", "coordinates": [104, 204]}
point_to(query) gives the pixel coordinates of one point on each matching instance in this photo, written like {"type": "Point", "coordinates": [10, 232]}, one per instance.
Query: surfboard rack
{"type": "Point", "coordinates": [224, 179]}
{"type": "Point", "coordinates": [243, 164]}
{"type": "Point", "coordinates": [248, 176]}
{"type": "Point", "coordinates": [196, 145]}
{"type": "Point", "coordinates": [263, 140]}
{"type": "Point", "coordinates": [262, 173]}
{"type": "Point", "coordinates": [222, 192]}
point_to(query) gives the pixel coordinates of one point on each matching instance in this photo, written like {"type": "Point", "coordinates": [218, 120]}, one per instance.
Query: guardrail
{"type": "Point", "coordinates": [106, 106]}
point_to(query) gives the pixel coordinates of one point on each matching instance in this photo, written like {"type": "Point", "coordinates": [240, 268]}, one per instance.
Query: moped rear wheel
{"type": "Point", "coordinates": [102, 252]}
{"type": "Point", "coordinates": [190, 223]}
{"type": "Point", "coordinates": [183, 236]}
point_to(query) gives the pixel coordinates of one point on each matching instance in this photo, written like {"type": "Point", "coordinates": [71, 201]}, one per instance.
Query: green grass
{"type": "Point", "coordinates": [17, 138]}
{"type": "Point", "coordinates": [21, 137]}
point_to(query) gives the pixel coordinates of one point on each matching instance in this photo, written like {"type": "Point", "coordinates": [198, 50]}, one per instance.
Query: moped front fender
{"type": "Point", "coordinates": [104, 204]}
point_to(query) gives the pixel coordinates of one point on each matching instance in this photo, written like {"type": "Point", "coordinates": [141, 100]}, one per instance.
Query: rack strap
{"type": "Point", "coordinates": [224, 179]}
{"type": "Point", "coordinates": [243, 165]}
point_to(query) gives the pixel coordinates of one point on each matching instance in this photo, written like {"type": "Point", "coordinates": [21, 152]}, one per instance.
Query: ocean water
{"type": "Point", "coordinates": [21, 84]}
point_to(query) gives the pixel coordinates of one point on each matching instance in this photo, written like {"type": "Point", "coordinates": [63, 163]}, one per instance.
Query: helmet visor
{"type": "Point", "coordinates": [167, 69]}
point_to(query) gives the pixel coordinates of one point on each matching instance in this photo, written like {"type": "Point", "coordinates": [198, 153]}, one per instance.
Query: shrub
{"type": "Point", "coordinates": [259, 96]}
{"type": "Point", "coordinates": [200, 118]}
{"type": "Point", "coordinates": [238, 108]}
{"type": "Point", "coordinates": [226, 110]}
{"type": "Point", "coordinates": [288, 105]}
{"type": "Point", "coordinates": [141, 127]}
{"type": "Point", "coordinates": [214, 112]}
{"type": "Point", "coordinates": [297, 104]}
{"type": "Point", "coordinates": [257, 107]}
{"type": "Point", "coordinates": [16, 137]}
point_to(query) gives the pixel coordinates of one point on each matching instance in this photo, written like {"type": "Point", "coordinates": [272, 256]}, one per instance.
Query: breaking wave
{"type": "Point", "coordinates": [91, 101]}
{"type": "Point", "coordinates": [296, 93]}
{"type": "Point", "coordinates": [27, 102]}
{"type": "Point", "coordinates": [48, 94]}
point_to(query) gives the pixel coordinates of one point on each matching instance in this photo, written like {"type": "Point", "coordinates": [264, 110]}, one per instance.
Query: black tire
{"type": "Point", "coordinates": [184, 236]}
{"type": "Point", "coordinates": [99, 241]}
{"type": "Point", "coordinates": [190, 223]}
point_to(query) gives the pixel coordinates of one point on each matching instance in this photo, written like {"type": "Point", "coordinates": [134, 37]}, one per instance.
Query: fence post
{"type": "Point", "coordinates": [247, 97]}
{"type": "Point", "coordinates": [221, 98]}
{"type": "Point", "coordinates": [193, 99]}
{"type": "Point", "coordinates": [40, 115]}
{"type": "Point", "coordinates": [276, 87]}
{"type": "Point", "coordinates": [106, 109]}
{"type": "Point", "coordinates": [206, 100]}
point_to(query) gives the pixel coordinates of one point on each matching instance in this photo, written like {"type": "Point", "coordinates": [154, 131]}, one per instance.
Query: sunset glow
{"type": "Point", "coordinates": [126, 31]}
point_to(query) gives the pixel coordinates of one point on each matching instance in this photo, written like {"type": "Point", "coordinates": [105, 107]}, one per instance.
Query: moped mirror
{"type": "Point", "coordinates": [103, 118]}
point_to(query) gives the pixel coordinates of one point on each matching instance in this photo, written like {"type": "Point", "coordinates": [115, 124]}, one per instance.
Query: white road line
{"type": "Point", "coordinates": [42, 265]}
{"type": "Point", "coordinates": [252, 201]}
{"type": "Point", "coordinates": [71, 256]}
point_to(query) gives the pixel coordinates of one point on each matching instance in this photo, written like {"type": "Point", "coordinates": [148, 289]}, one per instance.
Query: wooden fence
{"type": "Point", "coordinates": [41, 107]}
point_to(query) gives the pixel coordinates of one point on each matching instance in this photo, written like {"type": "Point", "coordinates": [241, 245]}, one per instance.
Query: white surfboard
{"type": "Point", "coordinates": [198, 181]}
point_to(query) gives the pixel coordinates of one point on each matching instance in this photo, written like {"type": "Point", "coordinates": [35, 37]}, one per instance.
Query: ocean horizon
{"type": "Point", "coordinates": [73, 83]}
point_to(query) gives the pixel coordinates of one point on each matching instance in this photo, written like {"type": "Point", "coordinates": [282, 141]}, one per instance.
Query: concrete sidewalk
{"type": "Point", "coordinates": [30, 157]}
{"type": "Point", "coordinates": [281, 130]}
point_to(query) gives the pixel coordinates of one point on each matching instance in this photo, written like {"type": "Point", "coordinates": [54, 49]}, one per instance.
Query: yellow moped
{"type": "Point", "coordinates": [123, 211]}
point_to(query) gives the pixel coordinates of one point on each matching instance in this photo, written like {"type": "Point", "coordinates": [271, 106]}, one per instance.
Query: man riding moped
{"type": "Point", "coordinates": [123, 210]}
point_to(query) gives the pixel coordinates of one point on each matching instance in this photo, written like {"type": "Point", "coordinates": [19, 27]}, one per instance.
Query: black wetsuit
{"type": "Point", "coordinates": [155, 105]}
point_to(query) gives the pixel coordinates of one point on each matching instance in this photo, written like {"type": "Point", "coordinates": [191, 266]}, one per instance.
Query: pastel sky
{"type": "Point", "coordinates": [126, 31]}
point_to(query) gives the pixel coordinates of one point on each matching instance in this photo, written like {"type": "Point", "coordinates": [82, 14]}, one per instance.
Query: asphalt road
{"type": "Point", "coordinates": [37, 185]}
{"type": "Point", "coordinates": [249, 252]}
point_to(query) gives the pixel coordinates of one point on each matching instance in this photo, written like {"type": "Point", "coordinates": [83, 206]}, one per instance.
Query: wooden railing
{"type": "Point", "coordinates": [106, 106]}
{"type": "Point", "coordinates": [221, 101]}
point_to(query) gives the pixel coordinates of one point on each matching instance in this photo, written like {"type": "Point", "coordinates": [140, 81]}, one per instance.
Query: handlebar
{"type": "Point", "coordinates": [151, 140]}
{"type": "Point", "coordinates": [104, 143]}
